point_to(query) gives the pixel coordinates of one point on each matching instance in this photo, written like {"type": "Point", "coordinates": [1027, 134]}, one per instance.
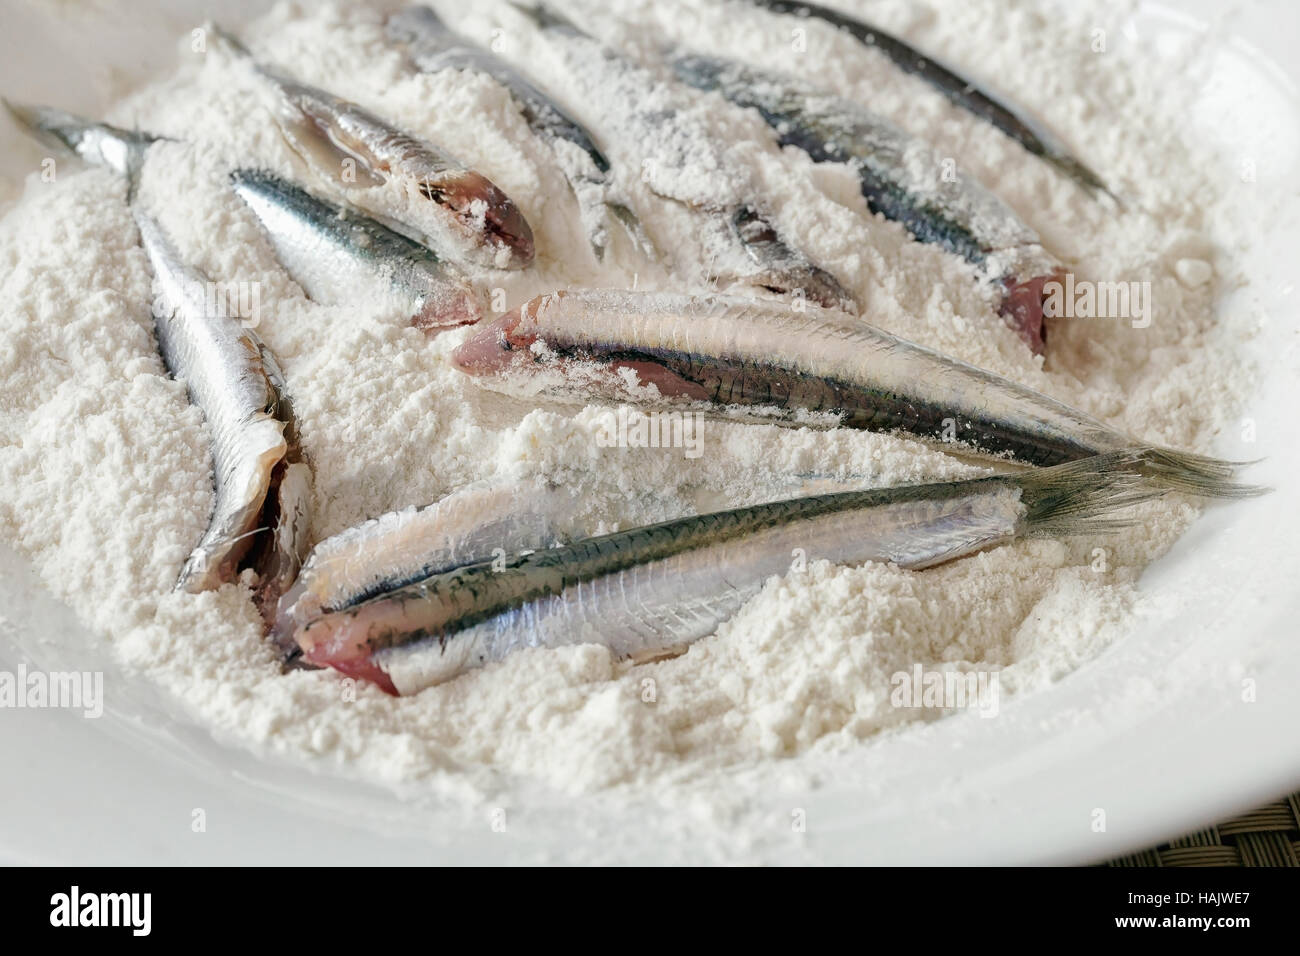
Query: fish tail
{"type": "Point", "coordinates": [36, 120]}
{"type": "Point", "coordinates": [227, 42]}
{"type": "Point", "coordinates": [543, 16]}
{"type": "Point", "coordinates": [548, 19]}
{"type": "Point", "coordinates": [1083, 497]}
{"type": "Point", "coordinates": [87, 139]}
{"type": "Point", "coordinates": [1083, 175]}
{"type": "Point", "coordinates": [636, 233]}
{"type": "Point", "coordinates": [1022, 309]}
{"type": "Point", "coordinates": [1195, 474]}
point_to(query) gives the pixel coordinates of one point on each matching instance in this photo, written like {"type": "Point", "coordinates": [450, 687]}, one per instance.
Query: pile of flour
{"type": "Point", "coordinates": [104, 464]}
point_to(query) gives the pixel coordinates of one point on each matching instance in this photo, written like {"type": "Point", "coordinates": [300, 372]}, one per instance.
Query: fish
{"type": "Point", "coordinates": [682, 162]}
{"type": "Point", "coordinates": [432, 47]}
{"type": "Point", "coordinates": [99, 144]}
{"type": "Point", "coordinates": [262, 481]}
{"type": "Point", "coordinates": [481, 521]}
{"type": "Point", "coordinates": [339, 255]}
{"type": "Point", "coordinates": [902, 178]}
{"type": "Point", "coordinates": [472, 524]}
{"type": "Point", "coordinates": [731, 351]}
{"type": "Point", "coordinates": [411, 185]}
{"type": "Point", "coordinates": [649, 592]}
{"type": "Point", "coordinates": [959, 90]}
{"type": "Point", "coordinates": [334, 252]}
{"type": "Point", "coordinates": [780, 268]}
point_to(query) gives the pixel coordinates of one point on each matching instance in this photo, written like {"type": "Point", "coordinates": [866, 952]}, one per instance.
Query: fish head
{"type": "Point", "coordinates": [288, 616]}
{"type": "Point", "coordinates": [482, 211]}
{"type": "Point", "coordinates": [296, 607]}
{"type": "Point", "coordinates": [1022, 309]}
{"type": "Point", "coordinates": [344, 641]}
{"type": "Point", "coordinates": [506, 345]}
{"type": "Point", "coordinates": [448, 306]}
{"type": "Point", "coordinates": [368, 670]}
{"type": "Point", "coordinates": [500, 346]}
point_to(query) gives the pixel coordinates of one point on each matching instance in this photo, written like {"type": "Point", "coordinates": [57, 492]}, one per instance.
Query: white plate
{"type": "Point", "coordinates": [1155, 733]}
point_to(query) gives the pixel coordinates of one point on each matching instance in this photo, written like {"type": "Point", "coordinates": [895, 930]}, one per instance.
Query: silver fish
{"type": "Point", "coordinates": [901, 179]}
{"type": "Point", "coordinates": [414, 186]}
{"type": "Point", "coordinates": [486, 520]}
{"type": "Point", "coordinates": [431, 46]}
{"type": "Point", "coordinates": [338, 255]}
{"type": "Point", "coordinates": [648, 592]}
{"type": "Point", "coordinates": [98, 144]}
{"type": "Point", "coordinates": [261, 482]}
{"type": "Point", "coordinates": [734, 351]}
{"type": "Point", "coordinates": [683, 162]}
{"type": "Point", "coordinates": [959, 90]}
{"type": "Point", "coordinates": [401, 547]}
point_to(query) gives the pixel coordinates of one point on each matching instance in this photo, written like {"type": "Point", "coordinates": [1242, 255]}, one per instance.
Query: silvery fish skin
{"type": "Point", "coordinates": [412, 184]}
{"type": "Point", "coordinates": [683, 162]}
{"type": "Point", "coordinates": [649, 592]}
{"type": "Point", "coordinates": [234, 380]}
{"type": "Point", "coordinates": [263, 483]}
{"type": "Point", "coordinates": [733, 351]}
{"type": "Point", "coordinates": [401, 547]}
{"type": "Point", "coordinates": [779, 267]}
{"type": "Point", "coordinates": [479, 522]}
{"type": "Point", "coordinates": [962, 92]}
{"type": "Point", "coordinates": [98, 144]}
{"type": "Point", "coordinates": [338, 255]}
{"type": "Point", "coordinates": [902, 179]}
{"type": "Point", "coordinates": [432, 46]}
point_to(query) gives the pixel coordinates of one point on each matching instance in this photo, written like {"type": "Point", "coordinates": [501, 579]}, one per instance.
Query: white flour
{"type": "Point", "coordinates": [104, 481]}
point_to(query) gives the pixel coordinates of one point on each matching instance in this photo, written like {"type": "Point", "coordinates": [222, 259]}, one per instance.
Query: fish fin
{"type": "Point", "coordinates": [1082, 497]}
{"type": "Point", "coordinates": [1196, 474]}
{"type": "Point", "coordinates": [593, 214]}
{"type": "Point", "coordinates": [635, 232]}
{"type": "Point", "coordinates": [597, 213]}
{"type": "Point", "coordinates": [227, 42]}
{"type": "Point", "coordinates": [651, 654]}
{"type": "Point", "coordinates": [547, 18]}
{"type": "Point", "coordinates": [1082, 175]}
{"type": "Point", "coordinates": [36, 121]}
